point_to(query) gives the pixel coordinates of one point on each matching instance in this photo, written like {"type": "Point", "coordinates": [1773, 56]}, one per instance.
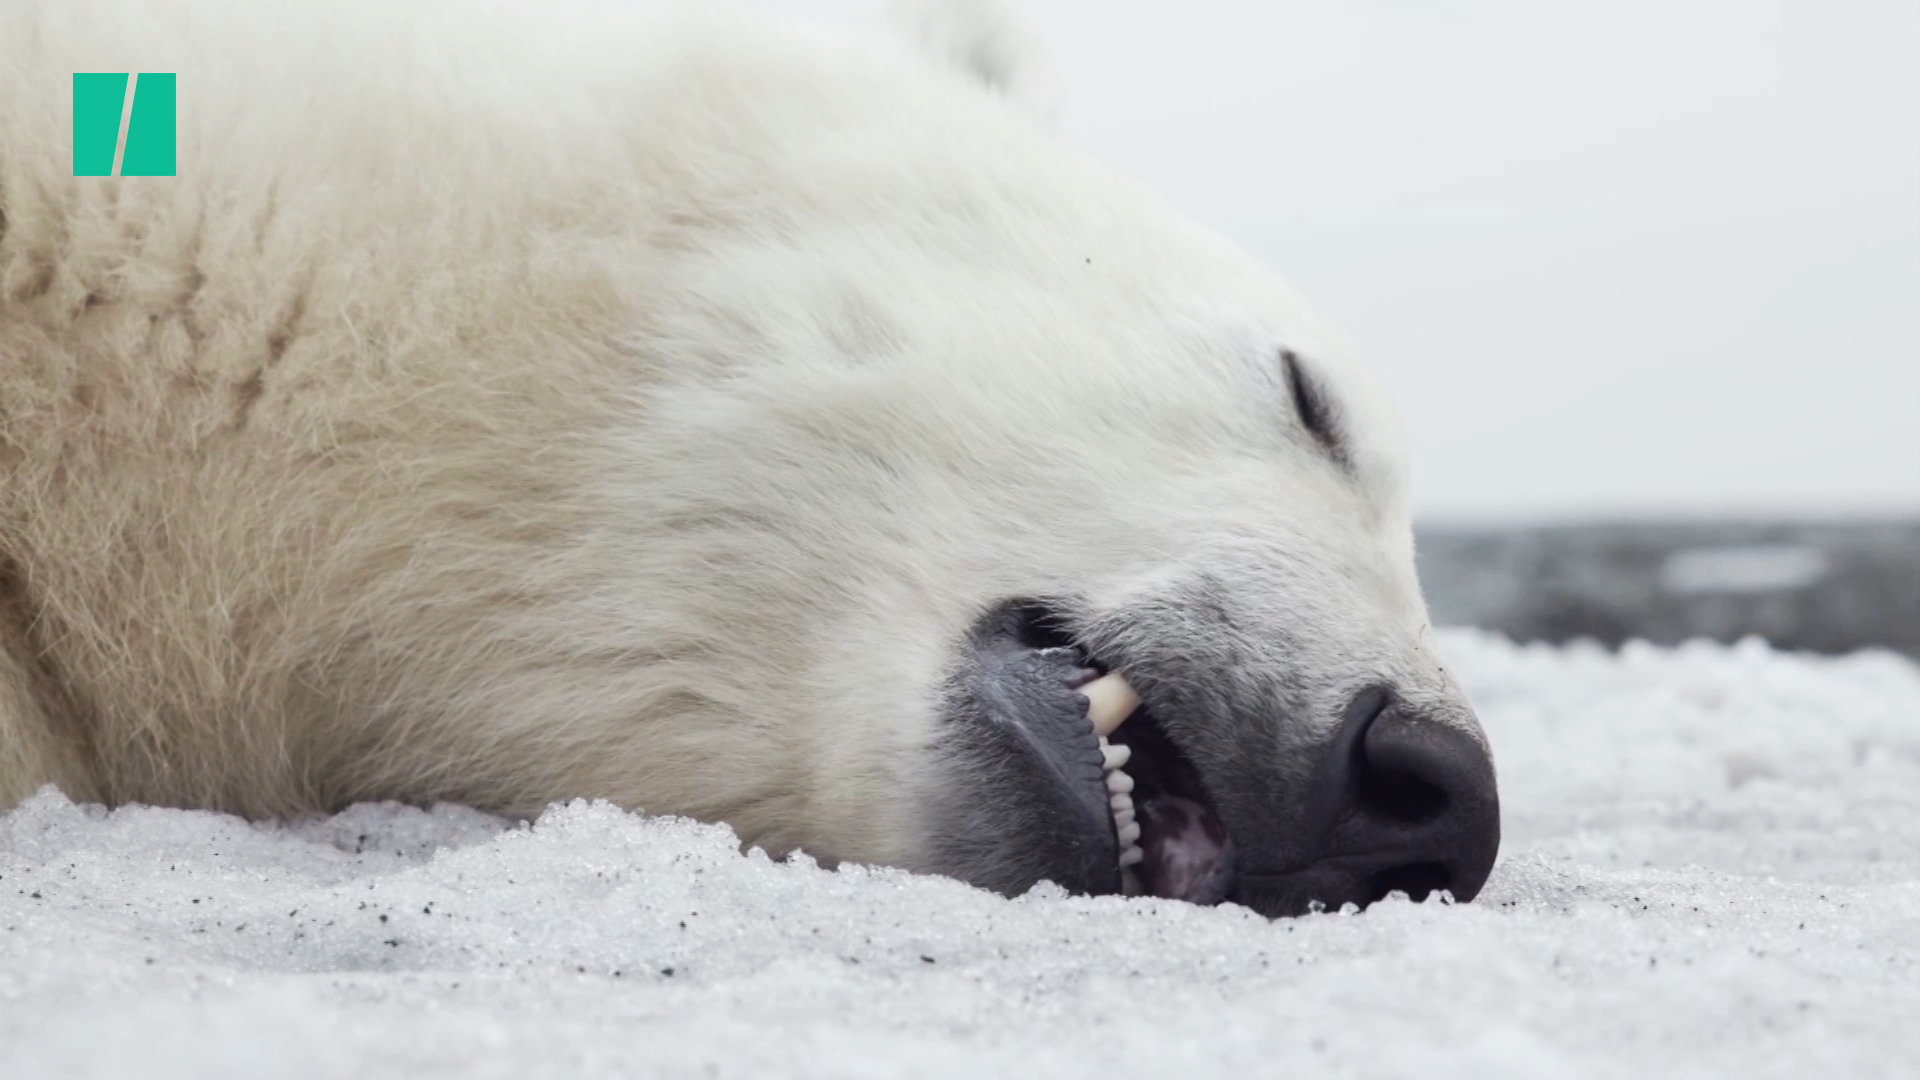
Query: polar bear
{"type": "Point", "coordinates": [727, 417]}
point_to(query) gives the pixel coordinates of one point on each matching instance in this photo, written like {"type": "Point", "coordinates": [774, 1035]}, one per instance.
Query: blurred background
{"type": "Point", "coordinates": [1644, 275]}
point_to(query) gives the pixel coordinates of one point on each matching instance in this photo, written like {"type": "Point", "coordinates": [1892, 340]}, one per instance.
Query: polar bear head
{"type": "Point", "coordinates": [1058, 431]}
{"type": "Point", "coordinates": [1105, 441]}
{"type": "Point", "coordinates": [1225, 525]}
{"type": "Point", "coordinates": [954, 420]}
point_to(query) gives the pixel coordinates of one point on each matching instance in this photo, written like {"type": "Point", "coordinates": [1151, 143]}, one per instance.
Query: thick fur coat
{"type": "Point", "coordinates": [510, 402]}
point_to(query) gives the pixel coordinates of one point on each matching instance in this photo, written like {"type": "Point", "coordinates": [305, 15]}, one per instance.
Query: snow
{"type": "Point", "coordinates": [1753, 568]}
{"type": "Point", "coordinates": [1712, 868]}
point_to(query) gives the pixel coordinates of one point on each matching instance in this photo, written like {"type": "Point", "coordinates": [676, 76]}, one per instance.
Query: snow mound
{"type": "Point", "coordinates": [1712, 867]}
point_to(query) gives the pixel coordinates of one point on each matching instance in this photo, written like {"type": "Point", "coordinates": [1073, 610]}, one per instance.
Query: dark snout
{"type": "Point", "coordinates": [1401, 800]}
{"type": "Point", "coordinates": [1200, 799]}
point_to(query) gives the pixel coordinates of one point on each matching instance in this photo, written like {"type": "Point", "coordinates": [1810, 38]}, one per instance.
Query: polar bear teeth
{"type": "Point", "coordinates": [1109, 702]}
{"type": "Point", "coordinates": [1120, 801]}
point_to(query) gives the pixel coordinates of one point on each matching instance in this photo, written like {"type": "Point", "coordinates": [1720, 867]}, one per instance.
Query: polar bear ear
{"type": "Point", "coordinates": [983, 40]}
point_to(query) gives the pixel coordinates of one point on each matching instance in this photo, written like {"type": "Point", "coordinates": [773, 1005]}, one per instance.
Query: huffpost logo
{"type": "Point", "coordinates": [122, 124]}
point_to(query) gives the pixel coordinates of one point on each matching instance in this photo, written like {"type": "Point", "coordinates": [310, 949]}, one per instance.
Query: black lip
{"type": "Point", "coordinates": [1025, 796]}
{"type": "Point", "coordinates": [1160, 765]}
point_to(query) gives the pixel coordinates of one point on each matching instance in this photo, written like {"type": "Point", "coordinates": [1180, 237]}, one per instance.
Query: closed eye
{"type": "Point", "coordinates": [1313, 406]}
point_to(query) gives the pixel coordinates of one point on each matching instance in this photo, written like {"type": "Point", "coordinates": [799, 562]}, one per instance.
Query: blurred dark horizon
{"type": "Point", "coordinates": [1816, 585]}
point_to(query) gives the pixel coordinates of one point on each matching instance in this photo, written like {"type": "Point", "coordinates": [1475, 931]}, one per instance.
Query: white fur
{"type": "Point", "coordinates": [516, 401]}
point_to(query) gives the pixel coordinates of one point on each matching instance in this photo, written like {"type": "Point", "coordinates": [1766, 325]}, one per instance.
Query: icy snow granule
{"type": "Point", "coordinates": [1711, 868]}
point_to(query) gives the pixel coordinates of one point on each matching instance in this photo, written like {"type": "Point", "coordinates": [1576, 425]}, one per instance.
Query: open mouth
{"type": "Point", "coordinates": [1172, 842]}
{"type": "Point", "coordinates": [1398, 796]}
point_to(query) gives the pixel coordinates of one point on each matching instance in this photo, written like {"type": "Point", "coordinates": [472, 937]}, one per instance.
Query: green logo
{"type": "Point", "coordinates": [123, 124]}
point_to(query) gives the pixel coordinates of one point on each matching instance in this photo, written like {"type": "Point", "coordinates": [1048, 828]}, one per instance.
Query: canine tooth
{"type": "Point", "coordinates": [1131, 857]}
{"type": "Point", "coordinates": [1129, 834]}
{"type": "Point", "coordinates": [1112, 757]}
{"type": "Point", "coordinates": [1110, 702]}
{"type": "Point", "coordinates": [1119, 783]}
{"type": "Point", "coordinates": [1130, 882]}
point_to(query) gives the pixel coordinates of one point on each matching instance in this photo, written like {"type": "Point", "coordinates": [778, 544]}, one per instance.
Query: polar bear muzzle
{"type": "Point", "coordinates": [1057, 769]}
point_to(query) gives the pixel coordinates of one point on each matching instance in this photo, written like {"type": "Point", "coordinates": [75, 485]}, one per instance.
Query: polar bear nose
{"type": "Point", "coordinates": [1403, 800]}
{"type": "Point", "coordinates": [1424, 796]}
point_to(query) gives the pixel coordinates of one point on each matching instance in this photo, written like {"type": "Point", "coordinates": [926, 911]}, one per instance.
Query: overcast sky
{"type": "Point", "coordinates": [1635, 257]}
